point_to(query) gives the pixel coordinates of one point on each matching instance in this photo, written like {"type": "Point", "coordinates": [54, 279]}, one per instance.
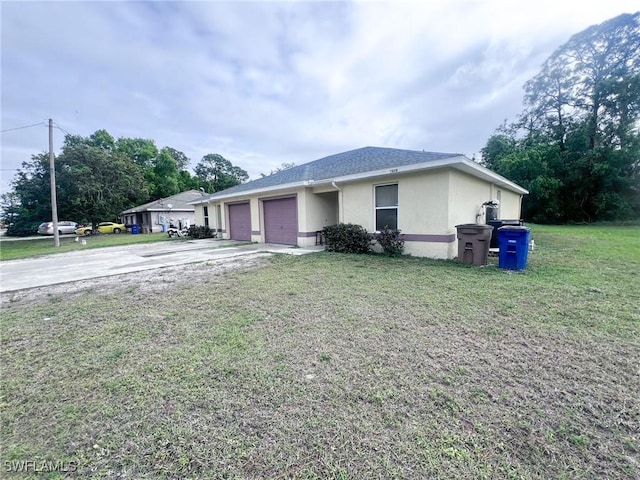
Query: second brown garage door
{"type": "Point", "coordinates": [240, 222]}
{"type": "Point", "coordinates": [281, 221]}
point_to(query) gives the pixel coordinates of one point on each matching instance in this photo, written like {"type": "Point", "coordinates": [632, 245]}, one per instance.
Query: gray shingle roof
{"type": "Point", "coordinates": [361, 160]}
{"type": "Point", "coordinates": [179, 201]}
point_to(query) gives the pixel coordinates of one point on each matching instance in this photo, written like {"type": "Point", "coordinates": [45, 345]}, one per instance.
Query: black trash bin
{"type": "Point", "coordinates": [473, 243]}
{"type": "Point", "coordinates": [496, 224]}
{"type": "Point", "coordinates": [491, 211]}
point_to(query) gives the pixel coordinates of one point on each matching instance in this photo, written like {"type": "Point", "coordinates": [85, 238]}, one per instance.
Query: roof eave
{"type": "Point", "coordinates": [243, 193]}
{"type": "Point", "coordinates": [473, 168]}
{"type": "Point", "coordinates": [460, 162]}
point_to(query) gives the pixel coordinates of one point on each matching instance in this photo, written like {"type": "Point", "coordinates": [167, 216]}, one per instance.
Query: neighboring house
{"type": "Point", "coordinates": [156, 216]}
{"type": "Point", "coordinates": [424, 194]}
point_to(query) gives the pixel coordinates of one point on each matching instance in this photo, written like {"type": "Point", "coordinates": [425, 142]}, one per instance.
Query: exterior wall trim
{"type": "Point", "coordinates": [429, 238]}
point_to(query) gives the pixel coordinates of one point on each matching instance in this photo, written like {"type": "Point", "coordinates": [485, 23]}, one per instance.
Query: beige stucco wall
{"type": "Point", "coordinates": [467, 194]}
{"type": "Point", "coordinates": [214, 222]}
{"type": "Point", "coordinates": [199, 213]}
{"type": "Point", "coordinates": [422, 206]}
{"type": "Point", "coordinates": [430, 204]}
{"type": "Point", "coordinates": [510, 204]}
{"type": "Point", "coordinates": [315, 211]}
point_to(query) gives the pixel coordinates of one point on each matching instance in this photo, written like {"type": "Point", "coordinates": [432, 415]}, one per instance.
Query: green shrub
{"type": "Point", "coordinates": [346, 238]}
{"type": "Point", "coordinates": [391, 242]}
{"type": "Point", "coordinates": [200, 231]}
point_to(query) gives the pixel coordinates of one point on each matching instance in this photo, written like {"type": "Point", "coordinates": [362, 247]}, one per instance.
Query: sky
{"type": "Point", "coordinates": [270, 82]}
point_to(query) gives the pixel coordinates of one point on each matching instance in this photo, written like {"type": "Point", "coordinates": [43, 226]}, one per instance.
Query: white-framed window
{"type": "Point", "coordinates": [206, 216]}
{"type": "Point", "coordinates": [386, 201]}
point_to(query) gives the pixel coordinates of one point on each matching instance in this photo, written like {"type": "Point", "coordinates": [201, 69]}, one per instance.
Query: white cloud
{"type": "Point", "coordinates": [271, 82]}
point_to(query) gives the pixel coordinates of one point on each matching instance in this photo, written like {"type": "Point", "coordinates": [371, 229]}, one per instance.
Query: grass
{"type": "Point", "coordinates": [337, 366]}
{"type": "Point", "coordinates": [14, 249]}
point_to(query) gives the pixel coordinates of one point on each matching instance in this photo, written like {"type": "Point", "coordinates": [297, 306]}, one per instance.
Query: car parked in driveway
{"type": "Point", "coordinates": [64, 227]}
{"type": "Point", "coordinates": [103, 227]}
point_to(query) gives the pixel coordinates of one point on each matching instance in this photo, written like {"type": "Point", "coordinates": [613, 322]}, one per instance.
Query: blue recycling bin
{"type": "Point", "coordinates": [135, 229]}
{"type": "Point", "coordinates": [514, 247]}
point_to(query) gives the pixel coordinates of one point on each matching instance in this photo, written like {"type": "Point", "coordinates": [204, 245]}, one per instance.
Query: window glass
{"type": "Point", "coordinates": [387, 196]}
{"type": "Point", "coordinates": [386, 207]}
{"type": "Point", "coordinates": [386, 217]}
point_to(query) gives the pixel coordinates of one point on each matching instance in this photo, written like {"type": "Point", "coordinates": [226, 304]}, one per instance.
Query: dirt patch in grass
{"type": "Point", "coordinates": [326, 366]}
{"type": "Point", "coordinates": [152, 281]}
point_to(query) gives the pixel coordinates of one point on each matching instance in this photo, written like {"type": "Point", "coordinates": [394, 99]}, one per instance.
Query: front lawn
{"type": "Point", "coordinates": [329, 366]}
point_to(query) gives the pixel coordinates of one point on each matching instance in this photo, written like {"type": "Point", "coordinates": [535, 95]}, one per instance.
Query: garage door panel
{"type": "Point", "coordinates": [281, 221]}
{"type": "Point", "coordinates": [240, 222]}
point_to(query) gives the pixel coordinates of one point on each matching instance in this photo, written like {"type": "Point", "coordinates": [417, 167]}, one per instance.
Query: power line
{"type": "Point", "coordinates": [56, 125]}
{"type": "Point", "coordinates": [25, 126]}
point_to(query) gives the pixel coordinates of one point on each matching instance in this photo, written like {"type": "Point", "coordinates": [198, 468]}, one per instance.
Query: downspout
{"type": "Point", "coordinates": [340, 202]}
{"type": "Point", "coordinates": [521, 199]}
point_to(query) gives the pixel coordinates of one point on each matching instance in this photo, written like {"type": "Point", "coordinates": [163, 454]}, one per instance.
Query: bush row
{"type": "Point", "coordinates": [200, 231]}
{"type": "Point", "coordinates": [351, 238]}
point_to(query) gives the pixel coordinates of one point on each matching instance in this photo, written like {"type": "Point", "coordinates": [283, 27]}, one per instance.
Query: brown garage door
{"type": "Point", "coordinates": [240, 222]}
{"type": "Point", "coordinates": [281, 221]}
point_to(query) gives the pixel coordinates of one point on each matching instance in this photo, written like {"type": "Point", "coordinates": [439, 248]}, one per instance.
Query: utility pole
{"type": "Point", "coordinates": [54, 201]}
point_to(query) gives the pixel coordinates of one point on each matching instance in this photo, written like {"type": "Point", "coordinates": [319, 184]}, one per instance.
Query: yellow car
{"type": "Point", "coordinates": [103, 227]}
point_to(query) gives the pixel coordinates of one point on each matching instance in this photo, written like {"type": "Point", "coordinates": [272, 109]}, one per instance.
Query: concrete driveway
{"type": "Point", "coordinates": [102, 262]}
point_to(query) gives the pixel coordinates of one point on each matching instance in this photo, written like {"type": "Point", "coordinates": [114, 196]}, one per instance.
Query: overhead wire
{"type": "Point", "coordinates": [24, 126]}
{"type": "Point", "coordinates": [56, 125]}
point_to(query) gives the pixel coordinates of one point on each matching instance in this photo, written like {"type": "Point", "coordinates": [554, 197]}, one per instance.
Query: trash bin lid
{"type": "Point", "coordinates": [475, 226]}
{"type": "Point", "coordinates": [515, 228]}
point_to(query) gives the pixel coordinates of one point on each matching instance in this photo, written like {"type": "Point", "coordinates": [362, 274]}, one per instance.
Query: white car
{"type": "Point", "coordinates": [46, 228]}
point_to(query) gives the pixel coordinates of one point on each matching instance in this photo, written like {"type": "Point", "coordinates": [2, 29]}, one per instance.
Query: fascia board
{"type": "Point", "coordinates": [478, 170]}
{"type": "Point", "coordinates": [255, 191]}
{"type": "Point", "coordinates": [460, 162]}
{"type": "Point", "coordinates": [181, 209]}
{"type": "Point", "coordinates": [416, 167]}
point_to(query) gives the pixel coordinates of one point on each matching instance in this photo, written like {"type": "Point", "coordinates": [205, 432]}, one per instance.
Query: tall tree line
{"type": "Point", "coordinates": [576, 145]}
{"type": "Point", "coordinates": [98, 176]}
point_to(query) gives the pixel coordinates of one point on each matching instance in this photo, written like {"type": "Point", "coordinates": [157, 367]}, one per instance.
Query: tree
{"type": "Point", "coordinates": [97, 184]}
{"type": "Point", "coordinates": [284, 166]}
{"type": "Point", "coordinates": [165, 175]}
{"type": "Point", "coordinates": [576, 146]}
{"type": "Point", "coordinates": [217, 173]}
{"type": "Point", "coordinates": [181, 159]}
{"type": "Point", "coordinates": [142, 151]}
{"type": "Point", "coordinates": [29, 203]}
{"type": "Point", "coordinates": [94, 182]}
